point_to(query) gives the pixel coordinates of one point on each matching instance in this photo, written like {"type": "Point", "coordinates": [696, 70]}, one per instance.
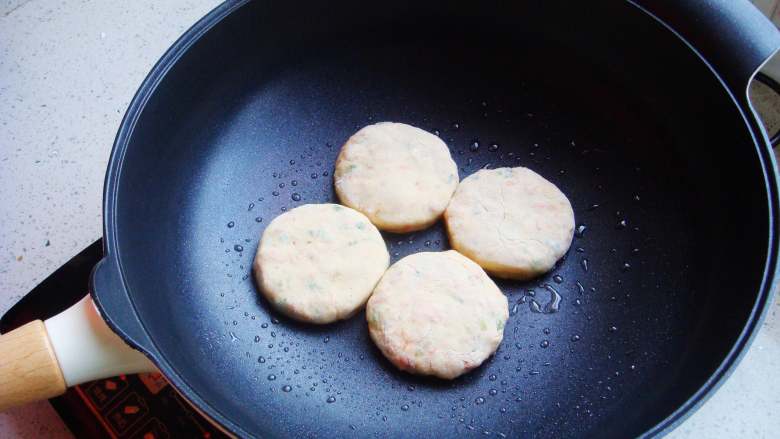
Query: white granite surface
{"type": "Point", "coordinates": [67, 72]}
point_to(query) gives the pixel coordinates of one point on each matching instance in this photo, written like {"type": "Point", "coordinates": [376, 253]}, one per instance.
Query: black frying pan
{"type": "Point", "coordinates": [670, 175]}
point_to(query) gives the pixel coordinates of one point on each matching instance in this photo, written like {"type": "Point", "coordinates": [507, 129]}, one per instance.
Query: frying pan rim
{"type": "Point", "coordinates": [771, 269]}
{"type": "Point", "coordinates": [110, 188]}
{"type": "Point", "coordinates": [156, 75]}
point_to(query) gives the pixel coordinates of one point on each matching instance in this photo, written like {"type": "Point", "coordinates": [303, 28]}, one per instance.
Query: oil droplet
{"type": "Point", "coordinates": [405, 407]}
{"type": "Point", "coordinates": [331, 399]}
{"type": "Point", "coordinates": [635, 251]}
{"type": "Point", "coordinates": [286, 388]}
{"type": "Point", "coordinates": [264, 325]}
{"type": "Point", "coordinates": [621, 224]}
{"type": "Point", "coordinates": [492, 377]}
{"type": "Point", "coordinates": [502, 410]}
{"type": "Point", "coordinates": [626, 266]}
{"type": "Point", "coordinates": [275, 193]}
{"type": "Point", "coordinates": [261, 359]}
{"type": "Point", "coordinates": [612, 328]}
{"type": "Point", "coordinates": [313, 175]}
{"type": "Point", "coordinates": [294, 183]}
{"type": "Point", "coordinates": [493, 147]}
{"type": "Point", "coordinates": [427, 243]}
{"type": "Point", "coordinates": [584, 264]}
{"type": "Point", "coordinates": [455, 126]}
{"type": "Point", "coordinates": [251, 206]}
{"type": "Point", "coordinates": [257, 339]}
{"type": "Point", "coordinates": [326, 339]}
{"type": "Point", "coordinates": [231, 224]}
{"type": "Point", "coordinates": [238, 248]}
{"type": "Point", "coordinates": [558, 279]}
{"type": "Point", "coordinates": [281, 185]}
{"type": "Point", "coordinates": [493, 392]}
{"type": "Point", "coordinates": [273, 334]}
{"type": "Point", "coordinates": [555, 300]}
{"type": "Point", "coordinates": [577, 302]}
{"type": "Point", "coordinates": [545, 344]}
{"type": "Point", "coordinates": [480, 400]}
{"type": "Point", "coordinates": [292, 162]}
{"type": "Point", "coordinates": [296, 197]}
{"type": "Point", "coordinates": [575, 338]}
{"type": "Point", "coordinates": [546, 331]}
{"type": "Point", "coordinates": [259, 219]}
{"type": "Point", "coordinates": [580, 231]}
{"type": "Point", "coordinates": [474, 147]}
{"type": "Point", "coordinates": [271, 377]}
{"type": "Point", "coordinates": [325, 173]}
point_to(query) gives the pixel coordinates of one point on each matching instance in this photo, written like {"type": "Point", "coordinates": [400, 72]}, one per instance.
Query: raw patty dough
{"type": "Point", "coordinates": [436, 314]}
{"type": "Point", "coordinates": [319, 262]}
{"type": "Point", "coordinates": [399, 176]}
{"type": "Point", "coordinates": [511, 221]}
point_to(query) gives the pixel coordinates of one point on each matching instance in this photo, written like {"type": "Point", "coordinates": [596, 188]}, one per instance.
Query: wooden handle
{"type": "Point", "coordinates": [28, 366]}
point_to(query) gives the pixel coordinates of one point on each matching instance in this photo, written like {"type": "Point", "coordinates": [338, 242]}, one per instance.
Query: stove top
{"type": "Point", "coordinates": [128, 406]}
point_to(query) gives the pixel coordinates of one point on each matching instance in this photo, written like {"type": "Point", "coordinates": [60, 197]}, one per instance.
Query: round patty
{"type": "Point", "coordinates": [399, 176]}
{"type": "Point", "coordinates": [511, 221]}
{"type": "Point", "coordinates": [319, 262]}
{"type": "Point", "coordinates": [436, 314]}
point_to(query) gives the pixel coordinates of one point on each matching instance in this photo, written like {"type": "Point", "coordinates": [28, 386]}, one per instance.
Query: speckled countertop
{"type": "Point", "coordinates": [67, 72]}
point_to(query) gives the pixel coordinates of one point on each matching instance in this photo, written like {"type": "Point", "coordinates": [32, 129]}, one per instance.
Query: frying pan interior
{"type": "Point", "coordinates": [652, 152]}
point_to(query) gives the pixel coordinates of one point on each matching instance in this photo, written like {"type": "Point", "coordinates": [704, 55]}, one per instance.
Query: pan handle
{"type": "Point", "coordinates": [28, 366]}
{"type": "Point", "coordinates": [733, 36]}
{"type": "Point", "coordinates": [41, 359]}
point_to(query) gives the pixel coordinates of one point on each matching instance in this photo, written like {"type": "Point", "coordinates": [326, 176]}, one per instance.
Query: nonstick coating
{"type": "Point", "coordinates": [657, 160]}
